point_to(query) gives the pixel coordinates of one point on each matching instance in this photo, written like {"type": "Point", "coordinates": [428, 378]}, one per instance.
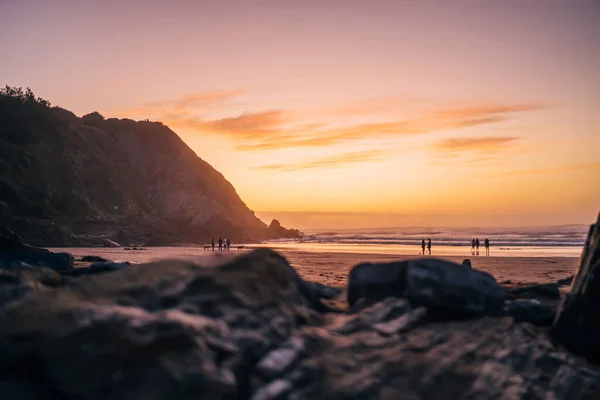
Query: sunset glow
{"type": "Point", "coordinates": [481, 109]}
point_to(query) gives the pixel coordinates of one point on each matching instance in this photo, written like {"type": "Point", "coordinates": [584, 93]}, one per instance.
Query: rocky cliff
{"type": "Point", "coordinates": [94, 181]}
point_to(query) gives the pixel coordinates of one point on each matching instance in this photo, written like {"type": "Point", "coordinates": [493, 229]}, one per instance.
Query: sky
{"type": "Point", "coordinates": [431, 112]}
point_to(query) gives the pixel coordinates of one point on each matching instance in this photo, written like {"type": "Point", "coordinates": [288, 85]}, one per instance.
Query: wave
{"type": "Point", "coordinates": [567, 237]}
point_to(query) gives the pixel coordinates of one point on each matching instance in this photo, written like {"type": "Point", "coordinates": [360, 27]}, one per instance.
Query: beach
{"type": "Point", "coordinates": [333, 267]}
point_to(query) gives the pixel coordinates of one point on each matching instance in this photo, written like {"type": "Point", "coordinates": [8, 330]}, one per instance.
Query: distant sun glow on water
{"type": "Point", "coordinates": [479, 109]}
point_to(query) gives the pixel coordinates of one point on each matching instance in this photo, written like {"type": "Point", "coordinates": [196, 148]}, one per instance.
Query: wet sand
{"type": "Point", "coordinates": [332, 268]}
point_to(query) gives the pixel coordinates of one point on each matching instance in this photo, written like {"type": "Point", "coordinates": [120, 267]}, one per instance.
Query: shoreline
{"type": "Point", "coordinates": [333, 268]}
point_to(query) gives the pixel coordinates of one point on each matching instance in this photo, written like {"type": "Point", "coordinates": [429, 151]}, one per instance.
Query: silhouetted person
{"type": "Point", "coordinates": [220, 244]}
{"type": "Point", "coordinates": [212, 244]}
{"type": "Point", "coordinates": [228, 244]}
{"type": "Point", "coordinates": [477, 246]}
{"type": "Point", "coordinates": [423, 246]}
{"type": "Point", "coordinates": [486, 243]}
{"type": "Point", "coordinates": [473, 247]}
{"type": "Point", "coordinates": [429, 245]}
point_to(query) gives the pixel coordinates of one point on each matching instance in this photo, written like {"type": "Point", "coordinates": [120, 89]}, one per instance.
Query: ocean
{"type": "Point", "coordinates": [562, 241]}
{"type": "Point", "coordinates": [559, 241]}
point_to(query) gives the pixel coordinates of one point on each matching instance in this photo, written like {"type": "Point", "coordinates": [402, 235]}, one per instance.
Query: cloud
{"type": "Point", "coordinates": [482, 144]}
{"type": "Point", "coordinates": [197, 99]}
{"type": "Point", "coordinates": [182, 107]}
{"type": "Point", "coordinates": [274, 129]}
{"type": "Point", "coordinates": [333, 161]}
{"type": "Point", "coordinates": [568, 168]}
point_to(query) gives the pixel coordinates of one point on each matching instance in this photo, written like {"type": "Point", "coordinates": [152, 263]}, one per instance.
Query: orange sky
{"type": "Point", "coordinates": [481, 109]}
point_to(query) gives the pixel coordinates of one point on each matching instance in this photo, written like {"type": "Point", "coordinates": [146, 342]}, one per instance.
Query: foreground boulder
{"type": "Point", "coordinates": [252, 328]}
{"type": "Point", "coordinates": [444, 288]}
{"type": "Point", "coordinates": [577, 323]}
{"type": "Point", "coordinates": [13, 250]}
{"type": "Point", "coordinates": [154, 331]}
{"type": "Point", "coordinates": [530, 310]}
{"type": "Point", "coordinates": [22, 280]}
{"type": "Point", "coordinates": [545, 290]}
{"type": "Point", "coordinates": [391, 351]}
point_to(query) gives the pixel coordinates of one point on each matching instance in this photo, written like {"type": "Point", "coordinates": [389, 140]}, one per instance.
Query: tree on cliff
{"type": "Point", "coordinates": [25, 96]}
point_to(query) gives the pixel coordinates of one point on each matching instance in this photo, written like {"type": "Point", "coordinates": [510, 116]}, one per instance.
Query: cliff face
{"type": "Point", "coordinates": [89, 181]}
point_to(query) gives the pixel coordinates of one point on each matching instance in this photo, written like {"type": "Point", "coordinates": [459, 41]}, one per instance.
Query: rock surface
{"type": "Point", "coordinates": [548, 290]}
{"type": "Point", "coordinates": [577, 324]}
{"type": "Point", "coordinates": [529, 310]}
{"type": "Point", "coordinates": [444, 288]}
{"type": "Point", "coordinates": [13, 250]}
{"type": "Point", "coordinates": [95, 181]}
{"type": "Point", "coordinates": [252, 328]}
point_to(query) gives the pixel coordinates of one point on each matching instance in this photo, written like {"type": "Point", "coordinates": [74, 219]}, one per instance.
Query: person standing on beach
{"type": "Point", "coordinates": [486, 243]}
{"type": "Point", "coordinates": [212, 243]}
{"type": "Point", "coordinates": [477, 246]}
{"type": "Point", "coordinates": [220, 244]}
{"type": "Point", "coordinates": [423, 246]}
{"type": "Point", "coordinates": [228, 244]}
{"type": "Point", "coordinates": [429, 245]}
{"type": "Point", "coordinates": [473, 247]}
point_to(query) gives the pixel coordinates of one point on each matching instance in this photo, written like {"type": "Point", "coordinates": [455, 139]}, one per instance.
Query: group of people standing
{"type": "Point", "coordinates": [224, 244]}
{"type": "Point", "coordinates": [475, 247]}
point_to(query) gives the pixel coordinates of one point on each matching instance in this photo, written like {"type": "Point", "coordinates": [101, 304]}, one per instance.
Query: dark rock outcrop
{"type": "Point", "coordinates": [577, 323]}
{"type": "Point", "coordinates": [252, 328]}
{"type": "Point", "coordinates": [529, 310]}
{"type": "Point", "coordinates": [21, 280]}
{"type": "Point", "coordinates": [565, 281]}
{"type": "Point", "coordinates": [275, 230]}
{"type": "Point", "coordinates": [93, 259]}
{"type": "Point", "coordinates": [13, 250]}
{"type": "Point", "coordinates": [443, 287]}
{"type": "Point", "coordinates": [548, 290]}
{"type": "Point", "coordinates": [97, 268]}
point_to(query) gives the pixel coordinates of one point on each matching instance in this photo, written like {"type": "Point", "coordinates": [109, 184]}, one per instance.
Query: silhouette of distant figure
{"type": "Point", "coordinates": [228, 244]}
{"type": "Point", "coordinates": [473, 247]}
{"type": "Point", "coordinates": [220, 244]}
{"type": "Point", "coordinates": [429, 245]}
{"type": "Point", "coordinates": [486, 243]}
{"type": "Point", "coordinates": [423, 246]}
{"type": "Point", "coordinates": [212, 243]}
{"type": "Point", "coordinates": [477, 246]}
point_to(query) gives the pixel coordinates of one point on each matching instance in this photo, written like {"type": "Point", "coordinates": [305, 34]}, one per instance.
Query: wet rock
{"type": "Point", "coordinates": [13, 250]}
{"type": "Point", "coordinates": [98, 268]}
{"type": "Point", "coordinates": [324, 291]}
{"type": "Point", "coordinates": [21, 280]}
{"type": "Point", "coordinates": [443, 287]}
{"type": "Point", "coordinates": [565, 281]}
{"type": "Point", "coordinates": [577, 324]}
{"type": "Point", "coordinates": [475, 359]}
{"type": "Point", "coordinates": [168, 329]}
{"type": "Point", "coordinates": [546, 290]}
{"type": "Point", "coordinates": [375, 282]}
{"type": "Point", "coordinates": [93, 259]}
{"type": "Point", "coordinates": [450, 290]}
{"type": "Point", "coordinates": [532, 311]}
{"type": "Point", "coordinates": [280, 360]}
{"type": "Point", "coordinates": [466, 263]}
{"type": "Point", "coordinates": [275, 390]}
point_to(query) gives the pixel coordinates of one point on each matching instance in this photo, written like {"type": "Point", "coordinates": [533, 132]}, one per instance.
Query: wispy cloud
{"type": "Point", "coordinates": [333, 161]}
{"type": "Point", "coordinates": [277, 128]}
{"type": "Point", "coordinates": [568, 168]}
{"type": "Point", "coordinates": [182, 107]}
{"type": "Point", "coordinates": [481, 144]}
